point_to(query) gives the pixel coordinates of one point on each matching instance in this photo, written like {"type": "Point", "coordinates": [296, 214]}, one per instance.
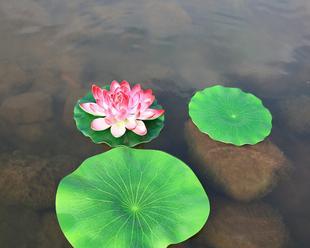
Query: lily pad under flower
{"type": "Point", "coordinates": [230, 115]}
{"type": "Point", "coordinates": [131, 198]}
{"type": "Point", "coordinates": [119, 115]}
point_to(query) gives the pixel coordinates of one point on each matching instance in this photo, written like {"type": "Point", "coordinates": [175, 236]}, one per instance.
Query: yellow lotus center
{"type": "Point", "coordinates": [120, 123]}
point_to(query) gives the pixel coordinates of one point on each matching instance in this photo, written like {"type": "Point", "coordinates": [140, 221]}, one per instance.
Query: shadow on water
{"type": "Point", "coordinates": [52, 51]}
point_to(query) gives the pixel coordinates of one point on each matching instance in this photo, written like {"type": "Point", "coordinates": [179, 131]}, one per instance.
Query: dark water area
{"type": "Point", "coordinates": [51, 52]}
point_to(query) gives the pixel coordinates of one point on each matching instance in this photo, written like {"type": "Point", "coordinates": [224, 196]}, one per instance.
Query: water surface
{"type": "Point", "coordinates": [58, 48]}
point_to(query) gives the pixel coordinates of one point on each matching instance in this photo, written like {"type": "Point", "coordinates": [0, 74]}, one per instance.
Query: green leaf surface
{"type": "Point", "coordinates": [131, 198]}
{"type": "Point", "coordinates": [83, 121]}
{"type": "Point", "coordinates": [230, 115]}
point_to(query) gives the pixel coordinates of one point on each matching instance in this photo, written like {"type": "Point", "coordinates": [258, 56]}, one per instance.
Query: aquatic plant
{"type": "Point", "coordinates": [105, 114]}
{"type": "Point", "coordinates": [131, 198]}
{"type": "Point", "coordinates": [230, 115]}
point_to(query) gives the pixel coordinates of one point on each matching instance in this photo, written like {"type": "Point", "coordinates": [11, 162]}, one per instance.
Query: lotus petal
{"type": "Point", "coordinates": [119, 104]}
{"type": "Point", "coordinates": [140, 129]}
{"type": "Point", "coordinates": [151, 114]}
{"type": "Point", "coordinates": [92, 108]}
{"type": "Point", "coordinates": [118, 129]}
{"type": "Point", "coordinates": [100, 124]}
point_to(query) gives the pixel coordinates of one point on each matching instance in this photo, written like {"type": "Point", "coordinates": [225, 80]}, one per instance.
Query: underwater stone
{"type": "Point", "coordinates": [50, 235]}
{"type": "Point", "coordinates": [243, 173]}
{"type": "Point", "coordinates": [69, 104]}
{"type": "Point", "coordinates": [25, 181]}
{"type": "Point", "coordinates": [47, 81]}
{"type": "Point", "coordinates": [27, 108]}
{"type": "Point", "coordinates": [253, 225]}
{"type": "Point", "coordinates": [30, 132]}
{"type": "Point", "coordinates": [12, 79]}
{"type": "Point", "coordinates": [18, 227]}
{"type": "Point", "coordinates": [76, 145]}
{"type": "Point", "coordinates": [165, 18]}
{"type": "Point", "coordinates": [34, 138]}
{"type": "Point", "coordinates": [61, 165]}
{"type": "Point", "coordinates": [31, 180]}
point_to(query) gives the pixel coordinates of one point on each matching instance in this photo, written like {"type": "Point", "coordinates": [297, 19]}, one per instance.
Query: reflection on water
{"type": "Point", "coordinates": [50, 51]}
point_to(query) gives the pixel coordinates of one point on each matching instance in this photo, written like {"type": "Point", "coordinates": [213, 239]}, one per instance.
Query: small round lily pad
{"type": "Point", "coordinates": [131, 198]}
{"type": "Point", "coordinates": [230, 115]}
{"type": "Point", "coordinates": [83, 122]}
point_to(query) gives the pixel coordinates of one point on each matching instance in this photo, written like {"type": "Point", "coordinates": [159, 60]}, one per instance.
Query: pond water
{"type": "Point", "coordinates": [51, 52]}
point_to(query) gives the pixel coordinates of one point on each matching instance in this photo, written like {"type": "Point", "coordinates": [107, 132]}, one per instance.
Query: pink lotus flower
{"type": "Point", "coordinates": [121, 108]}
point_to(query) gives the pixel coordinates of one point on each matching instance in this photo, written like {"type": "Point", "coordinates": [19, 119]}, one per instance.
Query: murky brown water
{"type": "Point", "coordinates": [51, 51]}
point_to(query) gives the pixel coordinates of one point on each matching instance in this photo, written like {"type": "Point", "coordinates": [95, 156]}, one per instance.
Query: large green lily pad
{"type": "Point", "coordinates": [131, 198]}
{"type": "Point", "coordinates": [84, 119]}
{"type": "Point", "coordinates": [230, 115]}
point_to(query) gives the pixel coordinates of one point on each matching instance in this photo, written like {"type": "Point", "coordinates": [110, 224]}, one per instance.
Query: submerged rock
{"type": "Point", "coordinates": [70, 102]}
{"type": "Point", "coordinates": [13, 79]}
{"type": "Point", "coordinates": [31, 180]}
{"type": "Point", "coordinates": [243, 173]}
{"type": "Point", "coordinates": [294, 113]}
{"type": "Point", "coordinates": [50, 235]}
{"type": "Point", "coordinates": [165, 18]}
{"type": "Point", "coordinates": [35, 138]}
{"type": "Point", "coordinates": [253, 225]}
{"type": "Point", "coordinates": [27, 108]}
{"type": "Point", "coordinates": [47, 80]}
{"type": "Point", "coordinates": [18, 227]}
{"type": "Point", "coordinates": [29, 116]}
{"type": "Point", "coordinates": [26, 181]}
{"type": "Point", "coordinates": [30, 132]}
